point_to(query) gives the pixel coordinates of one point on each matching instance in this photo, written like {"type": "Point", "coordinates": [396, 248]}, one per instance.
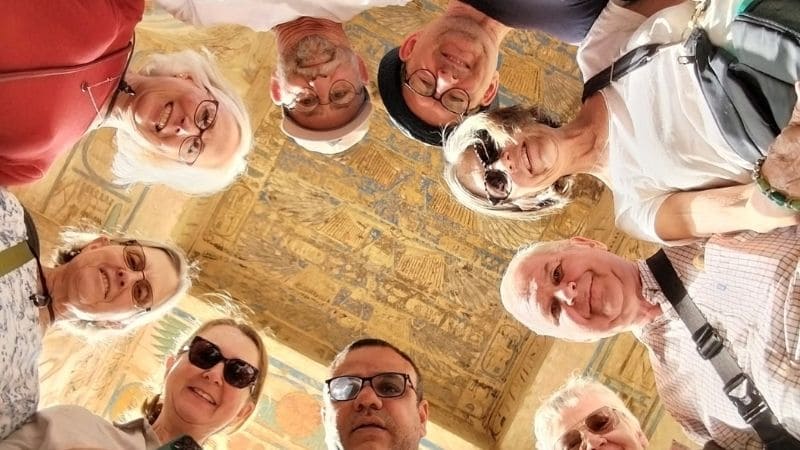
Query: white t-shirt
{"type": "Point", "coordinates": [662, 136]}
{"type": "Point", "coordinates": [263, 15]}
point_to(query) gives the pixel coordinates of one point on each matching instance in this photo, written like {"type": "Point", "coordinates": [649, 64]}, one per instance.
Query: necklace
{"type": "Point", "coordinates": [121, 87]}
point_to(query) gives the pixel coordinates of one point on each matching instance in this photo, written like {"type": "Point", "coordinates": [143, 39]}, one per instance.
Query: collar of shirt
{"type": "Point", "coordinates": [143, 427]}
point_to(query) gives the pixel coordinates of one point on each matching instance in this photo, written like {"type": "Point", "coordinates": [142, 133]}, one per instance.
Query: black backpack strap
{"type": "Point", "coordinates": [624, 65]}
{"type": "Point", "coordinates": [738, 386]}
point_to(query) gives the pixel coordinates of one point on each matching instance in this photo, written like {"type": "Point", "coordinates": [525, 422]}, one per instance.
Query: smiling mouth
{"type": "Point", "coordinates": [456, 61]}
{"type": "Point", "coordinates": [526, 153]}
{"type": "Point", "coordinates": [106, 283]}
{"type": "Point", "coordinates": [204, 395]}
{"type": "Point", "coordinates": [164, 117]}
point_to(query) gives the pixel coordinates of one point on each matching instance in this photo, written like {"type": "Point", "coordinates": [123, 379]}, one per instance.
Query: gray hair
{"type": "Point", "coordinates": [73, 240]}
{"type": "Point", "coordinates": [567, 396]}
{"type": "Point", "coordinates": [500, 125]}
{"type": "Point", "coordinates": [137, 159]}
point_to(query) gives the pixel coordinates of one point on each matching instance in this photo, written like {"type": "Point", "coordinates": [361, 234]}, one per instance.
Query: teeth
{"type": "Point", "coordinates": [205, 396]}
{"type": "Point", "coordinates": [164, 117]}
{"type": "Point", "coordinates": [106, 284]}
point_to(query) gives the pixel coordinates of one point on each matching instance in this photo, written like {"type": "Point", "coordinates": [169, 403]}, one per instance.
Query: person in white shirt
{"type": "Point", "coordinates": [319, 82]}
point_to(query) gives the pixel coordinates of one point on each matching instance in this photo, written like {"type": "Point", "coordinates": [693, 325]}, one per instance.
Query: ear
{"type": "Point", "coordinates": [100, 242]}
{"type": "Point", "coordinates": [245, 412]}
{"type": "Point", "coordinates": [168, 364]}
{"type": "Point", "coordinates": [275, 89]}
{"type": "Point", "coordinates": [423, 416]}
{"type": "Point", "coordinates": [184, 76]}
{"type": "Point", "coordinates": [363, 73]}
{"type": "Point", "coordinates": [491, 91]}
{"type": "Point", "coordinates": [642, 438]}
{"type": "Point", "coordinates": [586, 242]}
{"type": "Point", "coordinates": [407, 47]}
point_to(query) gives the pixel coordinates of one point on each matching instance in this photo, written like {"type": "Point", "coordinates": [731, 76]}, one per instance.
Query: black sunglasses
{"type": "Point", "coordinates": [495, 182]}
{"type": "Point", "coordinates": [385, 385]}
{"type": "Point", "coordinates": [205, 355]}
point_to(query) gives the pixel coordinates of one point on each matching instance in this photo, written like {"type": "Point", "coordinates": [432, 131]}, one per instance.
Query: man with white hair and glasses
{"type": "Point", "coordinates": [374, 399]}
{"type": "Point", "coordinates": [583, 415]}
{"type": "Point", "coordinates": [319, 82]}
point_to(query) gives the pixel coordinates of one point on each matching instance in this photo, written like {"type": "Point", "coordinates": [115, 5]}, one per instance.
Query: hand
{"type": "Point", "coordinates": [782, 166]}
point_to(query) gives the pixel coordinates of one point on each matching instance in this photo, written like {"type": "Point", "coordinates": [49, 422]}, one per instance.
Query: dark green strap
{"type": "Point", "coordinates": [14, 257]}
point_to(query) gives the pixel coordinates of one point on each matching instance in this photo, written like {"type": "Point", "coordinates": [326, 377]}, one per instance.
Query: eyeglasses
{"type": "Point", "coordinates": [204, 117]}
{"type": "Point", "coordinates": [423, 82]}
{"type": "Point", "coordinates": [141, 291]}
{"type": "Point", "coordinates": [341, 93]}
{"type": "Point", "coordinates": [385, 385]}
{"type": "Point", "coordinates": [496, 183]}
{"type": "Point", "coordinates": [205, 355]}
{"type": "Point", "coordinates": [601, 421]}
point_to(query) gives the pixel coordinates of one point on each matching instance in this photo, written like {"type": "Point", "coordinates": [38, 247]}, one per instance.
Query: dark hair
{"type": "Point", "coordinates": [375, 342]}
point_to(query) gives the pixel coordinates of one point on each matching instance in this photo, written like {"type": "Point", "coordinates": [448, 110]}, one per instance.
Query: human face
{"type": "Point", "coordinates": [462, 55]}
{"type": "Point", "coordinates": [582, 292]}
{"type": "Point", "coordinates": [316, 67]}
{"type": "Point", "coordinates": [530, 163]}
{"type": "Point", "coordinates": [165, 112]}
{"type": "Point", "coordinates": [372, 422]}
{"type": "Point", "coordinates": [104, 279]}
{"type": "Point", "coordinates": [198, 401]}
{"type": "Point", "coordinates": [620, 433]}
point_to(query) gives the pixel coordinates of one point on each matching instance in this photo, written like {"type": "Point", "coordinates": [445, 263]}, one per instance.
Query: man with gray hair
{"type": "Point", "coordinates": [744, 284]}
{"type": "Point", "coordinates": [319, 82]}
{"type": "Point", "coordinates": [374, 399]}
{"type": "Point", "coordinates": [584, 414]}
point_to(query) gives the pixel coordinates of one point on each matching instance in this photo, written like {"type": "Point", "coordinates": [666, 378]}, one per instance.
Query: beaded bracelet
{"type": "Point", "coordinates": [775, 196]}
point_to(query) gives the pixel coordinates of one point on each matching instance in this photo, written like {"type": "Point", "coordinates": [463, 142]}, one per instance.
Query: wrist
{"type": "Point", "coordinates": [774, 195]}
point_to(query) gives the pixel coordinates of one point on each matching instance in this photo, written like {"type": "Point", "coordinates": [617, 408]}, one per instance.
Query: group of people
{"type": "Point", "coordinates": [650, 135]}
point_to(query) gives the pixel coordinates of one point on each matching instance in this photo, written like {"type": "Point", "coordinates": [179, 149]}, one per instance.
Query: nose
{"type": "Point", "coordinates": [367, 399]}
{"type": "Point", "coordinates": [592, 441]}
{"type": "Point", "coordinates": [186, 126]}
{"type": "Point", "coordinates": [567, 292]}
{"type": "Point", "coordinates": [215, 374]}
{"type": "Point", "coordinates": [126, 276]}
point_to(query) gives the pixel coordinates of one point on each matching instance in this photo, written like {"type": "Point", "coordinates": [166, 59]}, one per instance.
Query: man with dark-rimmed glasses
{"type": "Point", "coordinates": [374, 399]}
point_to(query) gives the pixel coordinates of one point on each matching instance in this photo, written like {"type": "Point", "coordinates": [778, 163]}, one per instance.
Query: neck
{"type": "Point", "coordinates": [124, 101]}
{"type": "Point", "coordinates": [167, 431]}
{"type": "Point", "coordinates": [53, 279]}
{"type": "Point", "coordinates": [648, 312]}
{"type": "Point", "coordinates": [289, 34]}
{"type": "Point", "coordinates": [495, 29]}
{"type": "Point", "coordinates": [587, 135]}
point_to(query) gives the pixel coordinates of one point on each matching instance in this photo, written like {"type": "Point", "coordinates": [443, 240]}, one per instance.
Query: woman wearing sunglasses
{"type": "Point", "coordinates": [649, 136]}
{"type": "Point", "coordinates": [178, 121]}
{"type": "Point", "coordinates": [213, 384]}
{"type": "Point", "coordinates": [586, 414]}
{"type": "Point", "coordinates": [97, 284]}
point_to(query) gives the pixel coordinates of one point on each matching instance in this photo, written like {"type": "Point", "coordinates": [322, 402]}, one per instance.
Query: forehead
{"type": "Point", "coordinates": [233, 343]}
{"type": "Point", "coordinates": [368, 361]}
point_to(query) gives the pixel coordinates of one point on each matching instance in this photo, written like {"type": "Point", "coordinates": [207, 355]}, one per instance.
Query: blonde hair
{"type": "Point", "coordinates": [567, 396]}
{"type": "Point", "coordinates": [151, 408]}
{"type": "Point", "coordinates": [74, 240]}
{"type": "Point", "coordinates": [138, 161]}
{"type": "Point", "coordinates": [500, 125]}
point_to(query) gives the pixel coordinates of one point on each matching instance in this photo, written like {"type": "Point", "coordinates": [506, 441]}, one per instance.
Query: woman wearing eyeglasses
{"type": "Point", "coordinates": [96, 284]}
{"type": "Point", "coordinates": [178, 121]}
{"type": "Point", "coordinates": [649, 136]}
{"type": "Point", "coordinates": [212, 385]}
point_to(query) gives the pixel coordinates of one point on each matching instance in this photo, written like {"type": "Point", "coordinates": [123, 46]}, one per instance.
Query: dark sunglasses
{"type": "Point", "coordinates": [495, 182]}
{"type": "Point", "coordinates": [601, 421]}
{"type": "Point", "coordinates": [205, 355]}
{"type": "Point", "coordinates": [385, 385]}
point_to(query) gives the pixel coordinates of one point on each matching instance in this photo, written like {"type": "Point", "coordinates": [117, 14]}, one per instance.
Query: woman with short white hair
{"type": "Point", "coordinates": [98, 284]}
{"type": "Point", "coordinates": [179, 122]}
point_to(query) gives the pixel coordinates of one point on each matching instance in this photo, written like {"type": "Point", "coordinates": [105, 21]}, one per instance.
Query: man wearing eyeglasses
{"type": "Point", "coordinates": [584, 414]}
{"type": "Point", "coordinates": [448, 68]}
{"type": "Point", "coordinates": [319, 82]}
{"type": "Point", "coordinates": [373, 399]}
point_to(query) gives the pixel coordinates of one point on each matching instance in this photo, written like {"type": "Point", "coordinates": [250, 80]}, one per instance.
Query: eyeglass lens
{"type": "Point", "coordinates": [341, 93]}
{"type": "Point", "coordinates": [386, 385]}
{"type": "Point", "coordinates": [601, 421]}
{"type": "Point", "coordinates": [204, 117]}
{"type": "Point", "coordinates": [141, 291]}
{"type": "Point", "coordinates": [423, 82]}
{"type": "Point", "coordinates": [205, 355]}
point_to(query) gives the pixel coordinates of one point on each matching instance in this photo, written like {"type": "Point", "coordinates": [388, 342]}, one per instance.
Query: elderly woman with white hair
{"type": "Point", "coordinates": [179, 122]}
{"type": "Point", "coordinates": [586, 414]}
{"type": "Point", "coordinates": [98, 284]}
{"type": "Point", "coordinates": [649, 136]}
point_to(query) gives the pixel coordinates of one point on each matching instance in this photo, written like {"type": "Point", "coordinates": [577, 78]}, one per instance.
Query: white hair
{"type": "Point", "coordinates": [500, 125]}
{"type": "Point", "coordinates": [138, 161]}
{"type": "Point", "coordinates": [74, 240]}
{"type": "Point", "coordinates": [568, 396]}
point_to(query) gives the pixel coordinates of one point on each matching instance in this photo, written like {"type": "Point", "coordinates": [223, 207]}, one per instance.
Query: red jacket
{"type": "Point", "coordinates": [49, 50]}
